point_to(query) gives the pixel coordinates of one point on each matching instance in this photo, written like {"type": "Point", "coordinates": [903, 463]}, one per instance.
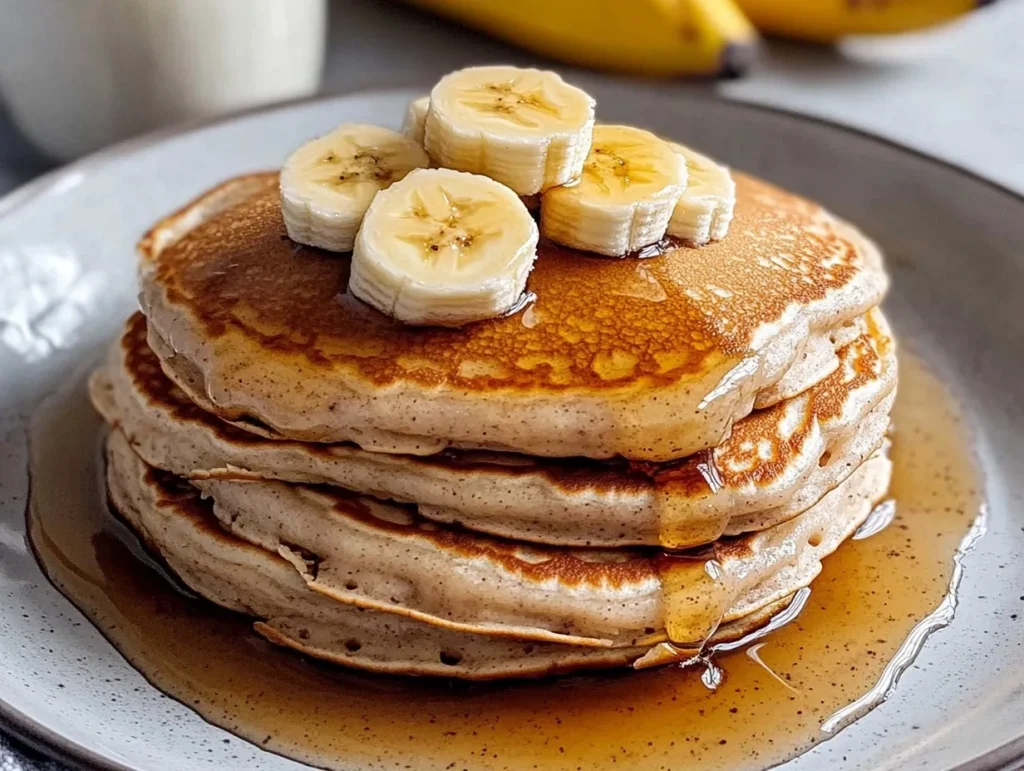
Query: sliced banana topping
{"type": "Point", "coordinates": [327, 184]}
{"type": "Point", "coordinates": [631, 183]}
{"type": "Point", "coordinates": [438, 217]}
{"type": "Point", "coordinates": [704, 212]}
{"type": "Point", "coordinates": [525, 128]}
{"type": "Point", "coordinates": [416, 119]}
{"type": "Point", "coordinates": [444, 247]}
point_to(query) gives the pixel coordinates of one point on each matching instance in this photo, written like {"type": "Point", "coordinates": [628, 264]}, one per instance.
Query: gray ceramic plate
{"type": "Point", "coordinates": [956, 249]}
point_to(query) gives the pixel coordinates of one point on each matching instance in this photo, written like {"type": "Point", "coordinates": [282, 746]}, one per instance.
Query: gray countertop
{"type": "Point", "coordinates": [955, 92]}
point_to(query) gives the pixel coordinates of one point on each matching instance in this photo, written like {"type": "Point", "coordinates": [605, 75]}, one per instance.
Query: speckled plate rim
{"type": "Point", "coordinates": [52, 744]}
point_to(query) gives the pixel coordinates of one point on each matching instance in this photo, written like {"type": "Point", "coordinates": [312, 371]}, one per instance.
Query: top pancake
{"type": "Point", "coordinates": [649, 359]}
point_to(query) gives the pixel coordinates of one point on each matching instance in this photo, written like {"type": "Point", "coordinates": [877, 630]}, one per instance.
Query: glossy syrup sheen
{"type": "Point", "coordinates": [869, 596]}
{"type": "Point", "coordinates": [226, 272]}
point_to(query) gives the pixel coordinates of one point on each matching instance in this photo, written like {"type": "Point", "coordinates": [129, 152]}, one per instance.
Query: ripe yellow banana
{"type": "Point", "coordinates": [827, 20]}
{"type": "Point", "coordinates": [650, 37]}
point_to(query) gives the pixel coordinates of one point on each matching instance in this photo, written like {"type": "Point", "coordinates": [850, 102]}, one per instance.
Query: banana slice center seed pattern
{"type": "Point", "coordinates": [624, 165]}
{"type": "Point", "coordinates": [514, 104]}
{"type": "Point", "coordinates": [446, 227]}
{"type": "Point", "coordinates": [365, 164]}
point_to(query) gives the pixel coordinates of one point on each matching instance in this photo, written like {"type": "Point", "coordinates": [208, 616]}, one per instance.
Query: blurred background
{"type": "Point", "coordinates": [944, 76]}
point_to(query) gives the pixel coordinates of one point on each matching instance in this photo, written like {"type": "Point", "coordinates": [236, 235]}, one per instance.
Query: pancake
{"type": "Point", "coordinates": [770, 469]}
{"type": "Point", "coordinates": [178, 526]}
{"type": "Point", "coordinates": [367, 553]}
{"type": "Point", "coordinates": [645, 359]}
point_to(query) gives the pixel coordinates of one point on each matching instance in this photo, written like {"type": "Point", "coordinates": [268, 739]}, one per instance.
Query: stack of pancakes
{"type": "Point", "coordinates": [653, 456]}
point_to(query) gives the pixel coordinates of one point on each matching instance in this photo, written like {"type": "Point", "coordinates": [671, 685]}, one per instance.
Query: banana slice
{"type": "Point", "coordinates": [327, 184]}
{"type": "Point", "coordinates": [527, 129]}
{"type": "Point", "coordinates": [444, 247]}
{"type": "Point", "coordinates": [416, 119]}
{"type": "Point", "coordinates": [704, 212]}
{"type": "Point", "coordinates": [631, 182]}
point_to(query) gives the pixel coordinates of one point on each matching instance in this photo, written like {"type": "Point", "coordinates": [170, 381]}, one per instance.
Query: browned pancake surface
{"type": "Point", "coordinates": [596, 323]}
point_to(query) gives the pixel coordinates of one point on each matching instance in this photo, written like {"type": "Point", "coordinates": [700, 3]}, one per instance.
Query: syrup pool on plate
{"type": "Point", "coordinates": [873, 601]}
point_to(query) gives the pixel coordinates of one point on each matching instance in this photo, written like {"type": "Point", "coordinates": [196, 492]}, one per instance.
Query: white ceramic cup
{"type": "Point", "coordinates": [79, 74]}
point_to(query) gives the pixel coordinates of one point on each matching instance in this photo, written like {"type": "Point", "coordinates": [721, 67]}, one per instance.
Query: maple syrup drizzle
{"type": "Point", "coordinates": [868, 610]}
{"type": "Point", "coordinates": [694, 596]}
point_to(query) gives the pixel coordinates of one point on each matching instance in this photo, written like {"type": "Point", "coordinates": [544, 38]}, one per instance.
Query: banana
{"type": "Point", "coordinates": [828, 20]}
{"type": "Point", "coordinates": [705, 210]}
{"type": "Point", "coordinates": [444, 247]}
{"type": "Point", "coordinates": [631, 183]}
{"type": "Point", "coordinates": [525, 128]}
{"type": "Point", "coordinates": [327, 184]}
{"type": "Point", "coordinates": [646, 37]}
{"type": "Point", "coordinates": [415, 119]}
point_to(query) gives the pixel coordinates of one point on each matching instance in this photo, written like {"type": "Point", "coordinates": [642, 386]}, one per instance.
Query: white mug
{"type": "Point", "coordinates": [79, 74]}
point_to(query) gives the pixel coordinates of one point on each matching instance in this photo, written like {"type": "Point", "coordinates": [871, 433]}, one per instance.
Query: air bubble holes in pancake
{"type": "Point", "coordinates": [450, 658]}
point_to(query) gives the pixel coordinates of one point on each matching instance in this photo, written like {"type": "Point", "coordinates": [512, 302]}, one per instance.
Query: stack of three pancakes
{"type": "Point", "coordinates": [650, 458]}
